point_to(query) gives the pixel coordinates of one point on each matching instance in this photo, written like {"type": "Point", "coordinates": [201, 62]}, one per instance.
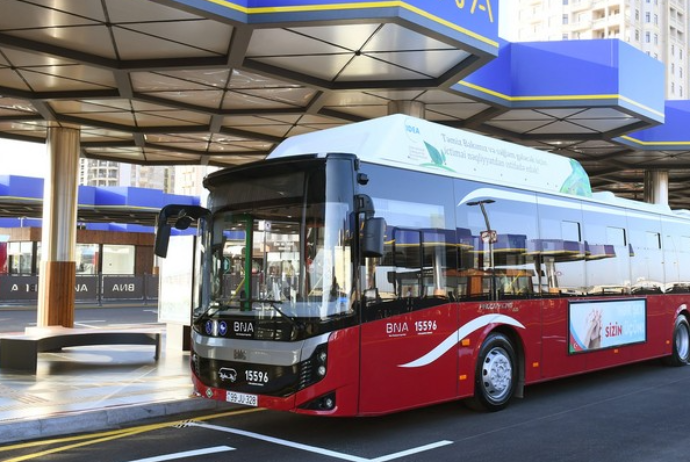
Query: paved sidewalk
{"type": "Point", "coordinates": [32, 305]}
{"type": "Point", "coordinates": [95, 388]}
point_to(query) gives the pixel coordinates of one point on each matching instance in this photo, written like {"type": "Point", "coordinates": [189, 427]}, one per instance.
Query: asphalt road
{"type": "Point", "coordinates": [16, 320]}
{"type": "Point", "coordinates": [634, 413]}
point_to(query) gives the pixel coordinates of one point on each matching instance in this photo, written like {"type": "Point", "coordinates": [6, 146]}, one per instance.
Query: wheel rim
{"type": "Point", "coordinates": [497, 374]}
{"type": "Point", "coordinates": [683, 342]}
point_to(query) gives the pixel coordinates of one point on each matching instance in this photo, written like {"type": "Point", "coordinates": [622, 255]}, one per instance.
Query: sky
{"type": "Point", "coordinates": [30, 159]}
{"type": "Point", "coordinates": [23, 158]}
{"type": "Point", "coordinates": [506, 19]}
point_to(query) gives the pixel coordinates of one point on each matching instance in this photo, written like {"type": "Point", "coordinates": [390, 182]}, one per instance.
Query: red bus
{"type": "Point", "coordinates": [397, 263]}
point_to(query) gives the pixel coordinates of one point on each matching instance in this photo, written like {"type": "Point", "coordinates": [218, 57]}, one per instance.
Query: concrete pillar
{"type": "Point", "coordinates": [58, 267]}
{"type": "Point", "coordinates": [656, 187]}
{"type": "Point", "coordinates": [410, 108]}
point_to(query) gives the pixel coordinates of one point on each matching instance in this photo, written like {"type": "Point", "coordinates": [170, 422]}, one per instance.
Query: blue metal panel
{"type": "Point", "coordinates": [141, 197]}
{"type": "Point", "coordinates": [563, 70]}
{"type": "Point", "coordinates": [492, 82]}
{"type": "Point", "coordinates": [474, 22]}
{"type": "Point", "coordinates": [86, 195]}
{"type": "Point", "coordinates": [98, 226]}
{"type": "Point", "coordinates": [110, 196]}
{"type": "Point", "coordinates": [673, 135]}
{"type": "Point", "coordinates": [642, 79]}
{"type": "Point", "coordinates": [583, 72]}
{"type": "Point", "coordinates": [19, 187]}
{"type": "Point", "coordinates": [20, 223]}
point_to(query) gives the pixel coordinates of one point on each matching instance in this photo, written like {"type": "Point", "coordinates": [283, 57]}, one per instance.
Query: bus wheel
{"type": "Point", "coordinates": [681, 344]}
{"type": "Point", "coordinates": [496, 375]}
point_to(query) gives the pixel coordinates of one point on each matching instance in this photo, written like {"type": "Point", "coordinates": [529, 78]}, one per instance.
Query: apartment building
{"type": "Point", "coordinates": [94, 172]}
{"type": "Point", "coordinates": [189, 180]}
{"type": "Point", "coordinates": [657, 27]}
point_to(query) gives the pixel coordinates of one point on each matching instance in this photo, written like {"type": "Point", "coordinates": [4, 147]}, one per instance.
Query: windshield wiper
{"type": "Point", "coordinates": [205, 314]}
{"type": "Point", "coordinates": [274, 304]}
{"type": "Point", "coordinates": [219, 307]}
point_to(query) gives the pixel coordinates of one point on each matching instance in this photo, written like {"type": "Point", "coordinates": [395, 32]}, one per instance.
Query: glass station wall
{"type": "Point", "coordinates": [110, 266]}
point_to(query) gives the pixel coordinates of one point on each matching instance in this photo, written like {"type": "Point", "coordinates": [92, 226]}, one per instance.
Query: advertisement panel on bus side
{"type": "Point", "coordinates": [415, 144]}
{"type": "Point", "coordinates": [606, 324]}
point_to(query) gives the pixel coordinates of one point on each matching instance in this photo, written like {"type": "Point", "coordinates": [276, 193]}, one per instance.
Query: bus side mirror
{"type": "Point", "coordinates": [162, 240]}
{"type": "Point", "coordinates": [183, 216]}
{"type": "Point", "coordinates": [372, 237]}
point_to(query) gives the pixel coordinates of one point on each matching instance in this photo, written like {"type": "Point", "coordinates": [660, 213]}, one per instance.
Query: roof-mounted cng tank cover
{"type": "Point", "coordinates": [182, 217]}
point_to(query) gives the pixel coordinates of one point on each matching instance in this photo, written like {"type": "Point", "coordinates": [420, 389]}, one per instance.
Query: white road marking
{"type": "Point", "coordinates": [291, 444]}
{"type": "Point", "coordinates": [317, 450]}
{"type": "Point", "coordinates": [397, 455]}
{"type": "Point", "coordinates": [186, 454]}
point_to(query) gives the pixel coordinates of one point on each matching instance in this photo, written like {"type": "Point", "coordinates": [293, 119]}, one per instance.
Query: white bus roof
{"type": "Point", "coordinates": [416, 144]}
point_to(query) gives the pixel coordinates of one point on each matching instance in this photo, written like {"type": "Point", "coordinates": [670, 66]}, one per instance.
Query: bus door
{"type": "Point", "coordinates": [406, 357]}
{"type": "Point", "coordinates": [559, 270]}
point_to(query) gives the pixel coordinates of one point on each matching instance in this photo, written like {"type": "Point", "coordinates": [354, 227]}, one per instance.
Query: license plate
{"type": "Point", "coordinates": [242, 398]}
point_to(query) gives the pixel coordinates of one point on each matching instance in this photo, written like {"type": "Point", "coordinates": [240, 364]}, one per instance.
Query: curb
{"type": "Point", "coordinates": [111, 418]}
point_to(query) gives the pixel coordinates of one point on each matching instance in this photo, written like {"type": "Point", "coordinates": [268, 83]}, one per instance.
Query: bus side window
{"type": "Point", "coordinates": [647, 267]}
{"type": "Point", "coordinates": [560, 252]}
{"type": "Point", "coordinates": [412, 274]}
{"type": "Point", "coordinates": [440, 255]}
{"type": "Point", "coordinates": [394, 280]}
{"type": "Point", "coordinates": [495, 234]}
{"type": "Point", "coordinates": [607, 260]}
{"type": "Point", "coordinates": [408, 271]}
{"type": "Point", "coordinates": [676, 259]}
{"type": "Point", "coordinates": [419, 244]}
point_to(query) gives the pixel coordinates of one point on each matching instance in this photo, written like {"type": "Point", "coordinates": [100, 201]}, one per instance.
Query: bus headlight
{"type": "Point", "coordinates": [315, 367]}
{"type": "Point", "coordinates": [321, 357]}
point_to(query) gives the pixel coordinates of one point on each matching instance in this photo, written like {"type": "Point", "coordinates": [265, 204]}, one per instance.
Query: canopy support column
{"type": "Point", "coordinates": [56, 292]}
{"type": "Point", "coordinates": [656, 187]}
{"type": "Point", "coordinates": [410, 108]}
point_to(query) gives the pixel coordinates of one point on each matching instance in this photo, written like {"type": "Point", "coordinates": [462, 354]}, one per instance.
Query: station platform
{"type": "Point", "coordinates": [92, 388]}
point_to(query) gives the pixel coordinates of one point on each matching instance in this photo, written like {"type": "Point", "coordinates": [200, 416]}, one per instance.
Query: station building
{"type": "Point", "coordinates": [114, 251]}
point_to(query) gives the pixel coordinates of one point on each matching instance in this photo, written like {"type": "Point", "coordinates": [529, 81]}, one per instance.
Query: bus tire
{"type": "Point", "coordinates": [681, 344]}
{"type": "Point", "coordinates": [495, 376]}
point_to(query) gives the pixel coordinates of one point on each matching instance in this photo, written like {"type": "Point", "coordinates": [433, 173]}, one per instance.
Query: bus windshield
{"type": "Point", "coordinates": [277, 248]}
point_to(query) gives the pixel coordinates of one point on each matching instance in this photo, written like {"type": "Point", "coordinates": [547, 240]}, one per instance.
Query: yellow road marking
{"type": "Point", "coordinates": [102, 437]}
